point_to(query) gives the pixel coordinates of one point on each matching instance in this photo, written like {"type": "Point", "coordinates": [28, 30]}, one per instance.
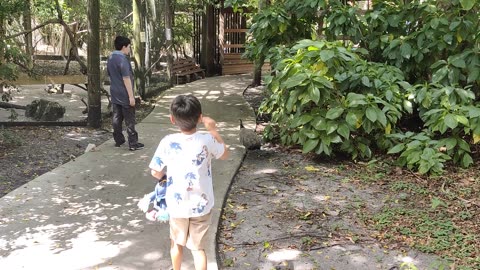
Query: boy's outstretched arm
{"type": "Point", "coordinates": [211, 127]}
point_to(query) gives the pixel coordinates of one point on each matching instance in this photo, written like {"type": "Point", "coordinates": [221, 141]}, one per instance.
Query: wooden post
{"type": "Point", "coordinates": [221, 38]}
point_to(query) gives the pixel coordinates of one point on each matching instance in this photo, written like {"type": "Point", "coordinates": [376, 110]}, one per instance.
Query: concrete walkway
{"type": "Point", "coordinates": [83, 214]}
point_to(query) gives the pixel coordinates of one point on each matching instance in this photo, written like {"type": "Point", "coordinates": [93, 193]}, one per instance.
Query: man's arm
{"type": "Point", "coordinates": [211, 127]}
{"type": "Point", "coordinates": [128, 85]}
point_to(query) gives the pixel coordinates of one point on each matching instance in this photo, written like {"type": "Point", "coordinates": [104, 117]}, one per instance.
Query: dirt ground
{"type": "Point", "coordinates": [286, 210]}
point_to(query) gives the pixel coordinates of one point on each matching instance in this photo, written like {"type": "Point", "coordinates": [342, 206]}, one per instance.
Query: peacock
{"type": "Point", "coordinates": [249, 138]}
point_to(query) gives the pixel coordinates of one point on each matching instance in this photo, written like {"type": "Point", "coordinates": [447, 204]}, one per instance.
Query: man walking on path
{"type": "Point", "coordinates": [121, 90]}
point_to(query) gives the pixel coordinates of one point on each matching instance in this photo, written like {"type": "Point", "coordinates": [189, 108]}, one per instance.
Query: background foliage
{"type": "Point", "coordinates": [402, 77]}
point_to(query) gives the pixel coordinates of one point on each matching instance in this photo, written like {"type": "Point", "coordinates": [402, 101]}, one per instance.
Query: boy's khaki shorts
{"type": "Point", "coordinates": [190, 232]}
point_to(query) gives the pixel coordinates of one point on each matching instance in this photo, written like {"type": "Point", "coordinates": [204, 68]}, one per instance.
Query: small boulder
{"type": "Point", "coordinates": [45, 110]}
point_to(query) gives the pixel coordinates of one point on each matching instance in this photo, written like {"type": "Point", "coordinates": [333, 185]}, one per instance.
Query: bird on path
{"type": "Point", "coordinates": [249, 138]}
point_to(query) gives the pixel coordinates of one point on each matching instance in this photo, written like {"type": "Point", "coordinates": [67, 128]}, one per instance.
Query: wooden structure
{"type": "Point", "coordinates": [185, 68]}
{"type": "Point", "coordinates": [219, 41]}
{"type": "Point", "coordinates": [232, 38]}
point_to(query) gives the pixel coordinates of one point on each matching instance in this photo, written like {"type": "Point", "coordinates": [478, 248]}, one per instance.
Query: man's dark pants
{"type": "Point", "coordinates": [121, 113]}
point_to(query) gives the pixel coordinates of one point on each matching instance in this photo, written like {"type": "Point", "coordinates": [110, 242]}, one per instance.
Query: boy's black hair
{"type": "Point", "coordinates": [121, 42]}
{"type": "Point", "coordinates": [186, 109]}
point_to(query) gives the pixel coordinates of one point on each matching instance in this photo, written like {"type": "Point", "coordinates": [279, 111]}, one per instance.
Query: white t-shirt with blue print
{"type": "Point", "coordinates": [189, 172]}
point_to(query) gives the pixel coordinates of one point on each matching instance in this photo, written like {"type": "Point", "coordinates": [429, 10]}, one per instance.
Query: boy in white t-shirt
{"type": "Point", "coordinates": [189, 196]}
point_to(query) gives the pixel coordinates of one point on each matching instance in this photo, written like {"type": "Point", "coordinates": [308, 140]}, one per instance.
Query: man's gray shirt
{"type": "Point", "coordinates": [118, 67]}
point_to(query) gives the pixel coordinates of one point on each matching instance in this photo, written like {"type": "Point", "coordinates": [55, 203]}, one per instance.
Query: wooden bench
{"type": "Point", "coordinates": [186, 68]}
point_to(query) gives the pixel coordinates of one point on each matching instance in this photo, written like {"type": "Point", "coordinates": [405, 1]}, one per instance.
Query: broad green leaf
{"type": "Point", "coordinates": [310, 145]}
{"type": "Point", "coordinates": [371, 114]}
{"type": "Point", "coordinates": [334, 113]}
{"type": "Point", "coordinates": [438, 63]}
{"type": "Point", "coordinates": [323, 81]}
{"type": "Point", "coordinates": [366, 81]}
{"type": "Point", "coordinates": [326, 149]}
{"type": "Point", "coordinates": [351, 119]}
{"type": "Point", "coordinates": [448, 38]}
{"type": "Point", "coordinates": [406, 50]}
{"type": "Point", "coordinates": [381, 117]}
{"type": "Point", "coordinates": [326, 55]}
{"type": "Point", "coordinates": [331, 127]}
{"type": "Point", "coordinates": [473, 74]}
{"type": "Point", "coordinates": [295, 80]}
{"type": "Point", "coordinates": [458, 62]}
{"type": "Point", "coordinates": [423, 168]}
{"type": "Point", "coordinates": [440, 74]}
{"type": "Point", "coordinates": [462, 119]}
{"type": "Point", "coordinates": [467, 4]}
{"type": "Point", "coordinates": [389, 95]}
{"type": "Point", "coordinates": [473, 112]}
{"type": "Point", "coordinates": [354, 99]}
{"type": "Point", "coordinates": [467, 160]}
{"type": "Point", "coordinates": [464, 145]}
{"type": "Point", "coordinates": [450, 143]}
{"type": "Point", "coordinates": [454, 25]}
{"type": "Point", "coordinates": [428, 153]}
{"type": "Point", "coordinates": [412, 158]}
{"type": "Point", "coordinates": [314, 93]}
{"type": "Point", "coordinates": [336, 139]}
{"type": "Point", "coordinates": [396, 149]}
{"type": "Point", "coordinates": [301, 120]}
{"type": "Point", "coordinates": [344, 131]}
{"type": "Point", "coordinates": [434, 23]}
{"type": "Point", "coordinates": [319, 123]}
{"type": "Point", "coordinates": [451, 121]}
{"type": "Point", "coordinates": [309, 133]}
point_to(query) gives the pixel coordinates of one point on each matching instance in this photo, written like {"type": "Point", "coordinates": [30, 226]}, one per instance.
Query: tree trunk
{"type": "Point", "coordinates": [27, 26]}
{"type": "Point", "coordinates": [156, 25]}
{"type": "Point", "coordinates": [210, 41]}
{"type": "Point", "coordinates": [138, 49]}
{"type": "Point", "coordinates": [260, 60]}
{"type": "Point", "coordinates": [257, 74]}
{"type": "Point", "coordinates": [2, 52]}
{"type": "Point", "coordinates": [93, 58]}
{"type": "Point", "coordinates": [168, 38]}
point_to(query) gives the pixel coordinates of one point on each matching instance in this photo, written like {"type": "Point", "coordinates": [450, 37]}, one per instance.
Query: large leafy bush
{"type": "Point", "coordinates": [415, 64]}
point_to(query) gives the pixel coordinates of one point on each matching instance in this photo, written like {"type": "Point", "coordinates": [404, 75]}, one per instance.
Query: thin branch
{"type": "Point", "coordinates": [33, 29]}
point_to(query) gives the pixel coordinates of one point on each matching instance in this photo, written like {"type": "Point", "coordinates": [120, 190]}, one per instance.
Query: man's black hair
{"type": "Point", "coordinates": [186, 109]}
{"type": "Point", "coordinates": [121, 42]}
